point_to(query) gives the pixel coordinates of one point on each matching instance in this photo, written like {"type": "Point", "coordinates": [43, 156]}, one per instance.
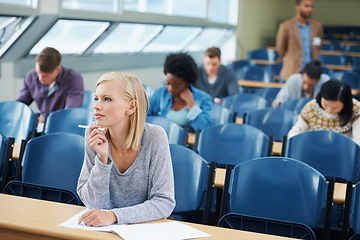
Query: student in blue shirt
{"type": "Point", "coordinates": [179, 101]}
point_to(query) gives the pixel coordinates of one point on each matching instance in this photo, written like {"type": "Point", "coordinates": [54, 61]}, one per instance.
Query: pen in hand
{"type": "Point", "coordinates": [84, 126]}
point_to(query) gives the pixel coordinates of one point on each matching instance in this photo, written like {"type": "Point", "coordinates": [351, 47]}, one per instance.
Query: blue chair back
{"type": "Point", "coordinates": [256, 73]}
{"type": "Point", "coordinates": [17, 120]}
{"type": "Point", "coordinates": [244, 103]}
{"type": "Point", "coordinates": [272, 121]}
{"type": "Point", "coordinates": [295, 105]}
{"type": "Point", "coordinates": [351, 78]}
{"type": "Point", "coordinates": [339, 60]}
{"type": "Point", "coordinates": [333, 154]}
{"type": "Point", "coordinates": [176, 134]}
{"type": "Point", "coordinates": [67, 120]}
{"type": "Point", "coordinates": [232, 143]}
{"type": "Point", "coordinates": [238, 65]}
{"type": "Point", "coordinates": [355, 212]}
{"type": "Point", "coordinates": [220, 115]}
{"type": "Point", "coordinates": [88, 100]}
{"type": "Point", "coordinates": [190, 177]}
{"type": "Point", "coordinates": [149, 90]}
{"type": "Point", "coordinates": [3, 149]}
{"type": "Point", "coordinates": [54, 160]}
{"type": "Point", "coordinates": [268, 93]}
{"type": "Point", "coordinates": [263, 54]}
{"type": "Point", "coordinates": [278, 188]}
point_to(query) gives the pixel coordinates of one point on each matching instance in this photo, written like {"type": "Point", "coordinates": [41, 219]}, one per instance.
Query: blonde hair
{"type": "Point", "coordinates": [132, 90]}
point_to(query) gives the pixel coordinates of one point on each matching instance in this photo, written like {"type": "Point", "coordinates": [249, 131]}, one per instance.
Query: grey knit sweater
{"type": "Point", "coordinates": [144, 192]}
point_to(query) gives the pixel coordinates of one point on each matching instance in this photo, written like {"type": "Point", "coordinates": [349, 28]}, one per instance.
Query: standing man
{"type": "Point", "coordinates": [298, 40]}
{"type": "Point", "coordinates": [52, 86]}
{"type": "Point", "coordinates": [216, 79]}
{"type": "Point", "coordinates": [306, 84]}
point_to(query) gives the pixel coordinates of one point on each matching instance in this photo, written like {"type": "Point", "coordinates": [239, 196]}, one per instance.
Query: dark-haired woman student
{"type": "Point", "coordinates": [333, 109]}
{"type": "Point", "coordinates": [179, 101]}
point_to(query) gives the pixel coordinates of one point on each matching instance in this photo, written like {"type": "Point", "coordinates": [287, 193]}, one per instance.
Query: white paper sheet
{"type": "Point", "coordinates": [159, 231]}
{"type": "Point", "coordinates": [150, 231]}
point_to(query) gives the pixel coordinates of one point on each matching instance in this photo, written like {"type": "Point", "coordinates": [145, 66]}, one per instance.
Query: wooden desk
{"type": "Point", "coordinates": [337, 67]}
{"type": "Point", "coordinates": [258, 84]}
{"type": "Point", "coordinates": [25, 218]}
{"type": "Point", "coordinates": [264, 62]}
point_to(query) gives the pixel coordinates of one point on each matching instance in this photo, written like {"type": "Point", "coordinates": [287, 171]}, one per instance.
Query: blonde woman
{"type": "Point", "coordinates": [127, 174]}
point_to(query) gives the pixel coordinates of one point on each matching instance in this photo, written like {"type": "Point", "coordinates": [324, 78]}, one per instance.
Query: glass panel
{"type": "Point", "coordinates": [169, 7]}
{"type": "Point", "coordinates": [32, 3]}
{"type": "Point", "coordinates": [10, 29]}
{"type": "Point", "coordinates": [153, 6]}
{"type": "Point", "coordinates": [172, 38]}
{"type": "Point", "coordinates": [209, 37]}
{"type": "Point", "coordinates": [224, 11]}
{"type": "Point", "coordinates": [70, 36]}
{"type": "Point", "coordinates": [189, 8]}
{"type": "Point", "coordinates": [92, 5]}
{"type": "Point", "coordinates": [127, 37]}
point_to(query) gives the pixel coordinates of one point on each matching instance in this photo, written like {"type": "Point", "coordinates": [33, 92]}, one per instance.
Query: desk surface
{"type": "Point", "coordinates": [25, 218]}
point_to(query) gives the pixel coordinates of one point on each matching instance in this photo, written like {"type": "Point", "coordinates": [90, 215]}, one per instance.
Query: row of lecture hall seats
{"type": "Point", "coordinates": [239, 143]}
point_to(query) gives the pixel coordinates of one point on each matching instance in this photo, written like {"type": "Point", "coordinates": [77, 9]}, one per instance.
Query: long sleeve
{"type": "Point", "coordinates": [144, 192]}
{"type": "Point", "coordinates": [199, 116]}
{"type": "Point", "coordinates": [231, 83]}
{"type": "Point", "coordinates": [25, 94]}
{"type": "Point", "coordinates": [160, 201]}
{"type": "Point", "coordinates": [299, 127]}
{"type": "Point", "coordinates": [94, 180]}
{"type": "Point", "coordinates": [281, 41]}
{"type": "Point", "coordinates": [75, 92]}
{"type": "Point", "coordinates": [290, 90]}
{"type": "Point", "coordinates": [356, 131]}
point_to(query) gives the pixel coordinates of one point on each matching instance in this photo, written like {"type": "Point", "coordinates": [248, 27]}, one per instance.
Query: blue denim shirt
{"type": "Point", "coordinates": [305, 37]}
{"type": "Point", "coordinates": [198, 116]}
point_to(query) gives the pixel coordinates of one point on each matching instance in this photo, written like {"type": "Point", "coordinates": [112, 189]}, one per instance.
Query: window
{"type": "Point", "coordinates": [209, 37]}
{"type": "Point", "coordinates": [169, 7]}
{"type": "Point", "coordinates": [10, 29]}
{"type": "Point", "coordinates": [128, 37]}
{"type": "Point", "coordinates": [30, 3]}
{"type": "Point", "coordinates": [71, 36]}
{"type": "Point", "coordinates": [172, 38]}
{"type": "Point", "coordinates": [110, 6]}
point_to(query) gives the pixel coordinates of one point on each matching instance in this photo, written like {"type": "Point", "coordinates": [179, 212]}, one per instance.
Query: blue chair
{"type": "Point", "coordinates": [267, 93]}
{"type": "Point", "coordinates": [54, 160]}
{"type": "Point", "coordinates": [88, 100]}
{"type": "Point", "coordinates": [355, 212]}
{"type": "Point", "coordinates": [334, 155]}
{"type": "Point", "coordinates": [339, 60]}
{"type": "Point", "coordinates": [272, 121]}
{"type": "Point", "coordinates": [353, 49]}
{"type": "Point", "coordinates": [190, 177]}
{"type": "Point", "coordinates": [67, 120]}
{"type": "Point", "coordinates": [351, 78]}
{"type": "Point", "coordinates": [269, 188]}
{"type": "Point", "coordinates": [149, 90]}
{"type": "Point", "coordinates": [3, 152]}
{"type": "Point", "coordinates": [263, 54]}
{"type": "Point", "coordinates": [328, 47]}
{"type": "Point", "coordinates": [231, 143]}
{"type": "Point", "coordinates": [244, 103]}
{"type": "Point", "coordinates": [238, 65]}
{"type": "Point", "coordinates": [220, 115]}
{"type": "Point", "coordinates": [256, 73]}
{"type": "Point", "coordinates": [176, 134]}
{"type": "Point", "coordinates": [17, 120]}
{"type": "Point", "coordinates": [295, 105]}
{"type": "Point", "coordinates": [328, 71]}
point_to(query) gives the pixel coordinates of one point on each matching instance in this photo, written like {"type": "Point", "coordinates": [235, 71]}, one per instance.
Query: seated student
{"type": "Point", "coordinates": [216, 79]}
{"type": "Point", "coordinates": [179, 101]}
{"type": "Point", "coordinates": [333, 109]}
{"type": "Point", "coordinates": [52, 86]}
{"type": "Point", "coordinates": [127, 174]}
{"type": "Point", "coordinates": [305, 84]}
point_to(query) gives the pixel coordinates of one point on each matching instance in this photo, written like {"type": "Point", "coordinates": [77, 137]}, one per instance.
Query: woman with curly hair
{"type": "Point", "coordinates": [179, 101]}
